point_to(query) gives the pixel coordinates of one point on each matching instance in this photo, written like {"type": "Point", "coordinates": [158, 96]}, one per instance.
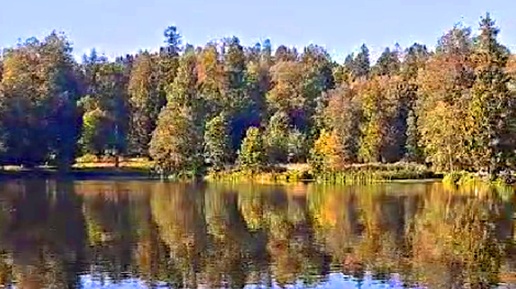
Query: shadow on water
{"type": "Point", "coordinates": [150, 234]}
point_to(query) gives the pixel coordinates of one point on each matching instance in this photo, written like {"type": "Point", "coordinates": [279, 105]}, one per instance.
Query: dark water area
{"type": "Point", "coordinates": [150, 234]}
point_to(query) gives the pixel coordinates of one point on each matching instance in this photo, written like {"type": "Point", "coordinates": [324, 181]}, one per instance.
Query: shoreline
{"type": "Point", "coordinates": [78, 173]}
{"type": "Point", "coordinates": [356, 174]}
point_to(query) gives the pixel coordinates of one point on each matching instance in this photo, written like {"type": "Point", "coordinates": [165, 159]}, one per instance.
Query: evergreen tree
{"type": "Point", "coordinates": [492, 105]}
{"type": "Point", "coordinates": [361, 64]}
{"type": "Point", "coordinates": [168, 60]}
{"type": "Point", "coordinates": [387, 64]}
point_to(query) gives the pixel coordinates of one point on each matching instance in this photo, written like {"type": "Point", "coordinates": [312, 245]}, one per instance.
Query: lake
{"type": "Point", "coordinates": [150, 234]}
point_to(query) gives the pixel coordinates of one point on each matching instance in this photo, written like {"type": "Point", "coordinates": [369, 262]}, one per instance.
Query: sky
{"type": "Point", "coordinates": [117, 27]}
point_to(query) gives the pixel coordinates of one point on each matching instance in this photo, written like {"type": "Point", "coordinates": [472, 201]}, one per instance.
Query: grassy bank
{"type": "Point", "coordinates": [377, 172]}
{"type": "Point", "coordinates": [102, 169]}
{"type": "Point", "coordinates": [462, 178]}
{"type": "Point", "coordinates": [352, 174]}
{"type": "Point", "coordinates": [480, 185]}
{"type": "Point", "coordinates": [270, 176]}
{"type": "Point", "coordinates": [137, 168]}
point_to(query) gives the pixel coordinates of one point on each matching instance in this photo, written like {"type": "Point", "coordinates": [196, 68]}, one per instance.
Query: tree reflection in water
{"type": "Point", "coordinates": [70, 234]}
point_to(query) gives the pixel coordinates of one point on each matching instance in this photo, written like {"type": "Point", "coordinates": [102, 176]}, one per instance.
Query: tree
{"type": "Point", "coordinates": [176, 144]}
{"type": "Point", "coordinates": [326, 154]}
{"type": "Point", "coordinates": [210, 77]}
{"type": "Point", "coordinates": [286, 94]}
{"type": "Point", "coordinates": [173, 41]}
{"type": "Point", "coordinates": [107, 91]}
{"type": "Point", "coordinates": [238, 102]}
{"type": "Point", "coordinates": [492, 105]}
{"type": "Point", "coordinates": [297, 146]}
{"type": "Point", "coordinates": [342, 117]}
{"type": "Point", "coordinates": [276, 138]}
{"type": "Point", "coordinates": [146, 102]}
{"type": "Point", "coordinates": [284, 53]}
{"type": "Point", "coordinates": [387, 64]}
{"type": "Point", "coordinates": [413, 149]}
{"type": "Point", "coordinates": [252, 156]}
{"type": "Point", "coordinates": [184, 91]}
{"type": "Point", "coordinates": [61, 93]}
{"type": "Point", "coordinates": [414, 59]}
{"type": "Point", "coordinates": [384, 114]}
{"type": "Point", "coordinates": [361, 64]}
{"type": "Point", "coordinates": [168, 60]}
{"type": "Point", "coordinates": [95, 132]}
{"type": "Point", "coordinates": [442, 110]}
{"type": "Point", "coordinates": [40, 90]}
{"type": "Point", "coordinates": [217, 142]}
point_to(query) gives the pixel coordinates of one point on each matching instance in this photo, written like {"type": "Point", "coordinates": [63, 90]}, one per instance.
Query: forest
{"type": "Point", "coordinates": [225, 105]}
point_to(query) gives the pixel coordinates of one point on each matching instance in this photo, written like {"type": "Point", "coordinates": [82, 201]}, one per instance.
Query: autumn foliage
{"type": "Point", "coordinates": [226, 105]}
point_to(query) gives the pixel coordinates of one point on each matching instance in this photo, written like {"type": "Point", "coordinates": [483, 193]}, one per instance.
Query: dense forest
{"type": "Point", "coordinates": [225, 105]}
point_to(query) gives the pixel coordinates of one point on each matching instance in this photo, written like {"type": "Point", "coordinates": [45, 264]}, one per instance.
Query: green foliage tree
{"type": "Point", "coordinates": [217, 142]}
{"type": "Point", "coordinates": [276, 138]}
{"type": "Point", "coordinates": [492, 108]}
{"type": "Point", "coordinates": [94, 132]}
{"type": "Point", "coordinates": [252, 156]}
{"type": "Point", "coordinates": [107, 90]}
{"type": "Point", "coordinates": [184, 91]}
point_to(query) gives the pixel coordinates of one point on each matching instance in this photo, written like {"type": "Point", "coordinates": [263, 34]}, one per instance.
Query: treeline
{"type": "Point", "coordinates": [191, 108]}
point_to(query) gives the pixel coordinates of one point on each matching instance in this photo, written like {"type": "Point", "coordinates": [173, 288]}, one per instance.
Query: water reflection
{"type": "Point", "coordinates": [146, 234]}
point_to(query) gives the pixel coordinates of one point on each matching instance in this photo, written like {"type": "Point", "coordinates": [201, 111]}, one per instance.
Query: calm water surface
{"type": "Point", "coordinates": [147, 234]}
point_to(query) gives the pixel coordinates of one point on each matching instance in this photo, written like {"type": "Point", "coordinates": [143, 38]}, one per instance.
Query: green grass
{"type": "Point", "coordinates": [268, 176]}
{"type": "Point", "coordinates": [377, 172]}
{"type": "Point", "coordinates": [352, 174]}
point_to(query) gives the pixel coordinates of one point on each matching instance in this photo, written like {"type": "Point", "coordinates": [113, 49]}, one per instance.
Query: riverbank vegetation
{"type": "Point", "coordinates": [226, 110]}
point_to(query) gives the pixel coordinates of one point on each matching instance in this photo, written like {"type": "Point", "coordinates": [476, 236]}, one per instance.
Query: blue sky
{"type": "Point", "coordinates": [117, 27]}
